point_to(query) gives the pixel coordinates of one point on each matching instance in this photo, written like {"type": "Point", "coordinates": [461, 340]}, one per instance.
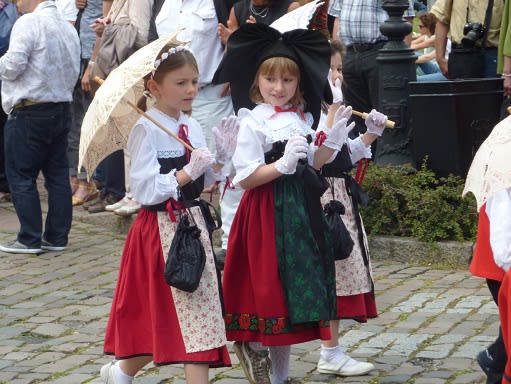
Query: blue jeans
{"type": "Point", "coordinates": [36, 140]}
{"type": "Point", "coordinates": [490, 65]}
{"type": "Point", "coordinates": [429, 67]}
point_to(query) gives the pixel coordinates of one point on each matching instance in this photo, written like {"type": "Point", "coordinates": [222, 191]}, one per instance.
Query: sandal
{"type": "Point", "coordinates": [85, 192]}
{"type": "Point", "coordinates": [5, 196]}
{"type": "Point", "coordinates": [74, 183]}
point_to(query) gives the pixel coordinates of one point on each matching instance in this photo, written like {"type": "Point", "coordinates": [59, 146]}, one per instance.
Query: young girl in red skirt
{"type": "Point", "coordinates": [354, 282]}
{"type": "Point", "coordinates": [278, 284]}
{"type": "Point", "coordinates": [150, 320]}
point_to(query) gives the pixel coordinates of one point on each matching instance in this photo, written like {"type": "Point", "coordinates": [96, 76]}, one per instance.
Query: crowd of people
{"type": "Point", "coordinates": [266, 113]}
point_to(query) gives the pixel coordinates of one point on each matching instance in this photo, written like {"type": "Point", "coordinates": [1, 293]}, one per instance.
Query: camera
{"type": "Point", "coordinates": [471, 33]}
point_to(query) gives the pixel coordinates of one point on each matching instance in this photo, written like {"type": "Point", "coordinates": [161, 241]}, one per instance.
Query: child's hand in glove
{"type": "Point", "coordinates": [337, 135]}
{"type": "Point", "coordinates": [200, 160]}
{"type": "Point", "coordinates": [335, 86]}
{"type": "Point", "coordinates": [225, 138]}
{"type": "Point", "coordinates": [375, 122]}
{"type": "Point", "coordinates": [296, 149]}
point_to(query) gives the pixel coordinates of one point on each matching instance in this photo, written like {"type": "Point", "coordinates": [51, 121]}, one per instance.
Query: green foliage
{"type": "Point", "coordinates": [415, 203]}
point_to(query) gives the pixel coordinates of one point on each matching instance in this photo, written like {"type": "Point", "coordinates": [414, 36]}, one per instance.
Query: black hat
{"type": "Point", "coordinates": [253, 43]}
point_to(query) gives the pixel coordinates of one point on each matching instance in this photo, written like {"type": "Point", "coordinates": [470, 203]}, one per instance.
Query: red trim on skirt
{"type": "Point", "coordinates": [143, 319]}
{"type": "Point", "coordinates": [251, 282]}
{"type": "Point", "coordinates": [357, 307]}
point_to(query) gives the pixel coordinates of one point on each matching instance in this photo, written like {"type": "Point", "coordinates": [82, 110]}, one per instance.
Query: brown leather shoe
{"type": "Point", "coordinates": [100, 206]}
{"type": "Point", "coordinates": [92, 202]}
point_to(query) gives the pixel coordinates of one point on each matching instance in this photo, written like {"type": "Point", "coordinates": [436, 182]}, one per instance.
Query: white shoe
{"type": "Point", "coordinates": [128, 209]}
{"type": "Point", "coordinates": [107, 373]}
{"type": "Point", "coordinates": [112, 207]}
{"type": "Point", "coordinates": [342, 368]}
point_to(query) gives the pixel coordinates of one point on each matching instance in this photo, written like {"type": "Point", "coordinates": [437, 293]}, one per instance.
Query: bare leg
{"type": "Point", "coordinates": [133, 365]}
{"type": "Point", "coordinates": [196, 373]}
{"type": "Point", "coordinates": [334, 330]}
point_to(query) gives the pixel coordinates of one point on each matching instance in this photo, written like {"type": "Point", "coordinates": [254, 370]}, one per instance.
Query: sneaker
{"type": "Point", "coordinates": [47, 246]}
{"type": "Point", "coordinates": [487, 364]}
{"type": "Point", "coordinates": [485, 361]}
{"type": "Point", "coordinates": [342, 368]}
{"type": "Point", "coordinates": [256, 365]}
{"type": "Point", "coordinates": [16, 247]}
{"type": "Point", "coordinates": [107, 373]}
{"type": "Point", "coordinates": [112, 207]}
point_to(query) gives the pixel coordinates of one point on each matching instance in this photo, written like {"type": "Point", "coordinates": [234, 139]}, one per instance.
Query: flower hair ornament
{"type": "Point", "coordinates": [251, 44]}
{"type": "Point", "coordinates": [165, 55]}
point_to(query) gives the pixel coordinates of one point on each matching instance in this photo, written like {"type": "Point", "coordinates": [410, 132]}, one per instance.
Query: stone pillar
{"type": "Point", "coordinates": [396, 64]}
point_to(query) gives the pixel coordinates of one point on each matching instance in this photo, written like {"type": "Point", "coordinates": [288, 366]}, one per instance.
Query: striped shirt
{"type": "Point", "coordinates": [360, 20]}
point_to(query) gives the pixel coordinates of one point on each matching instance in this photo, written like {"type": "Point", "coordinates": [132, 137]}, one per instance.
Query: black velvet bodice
{"type": "Point", "coordinates": [190, 191]}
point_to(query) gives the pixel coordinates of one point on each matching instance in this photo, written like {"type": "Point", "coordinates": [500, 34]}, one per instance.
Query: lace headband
{"type": "Point", "coordinates": [165, 55]}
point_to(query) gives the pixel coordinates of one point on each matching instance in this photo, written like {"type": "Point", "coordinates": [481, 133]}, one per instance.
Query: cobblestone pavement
{"type": "Point", "coordinates": [54, 308]}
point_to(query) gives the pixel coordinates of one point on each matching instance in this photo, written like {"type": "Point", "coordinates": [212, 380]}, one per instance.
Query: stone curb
{"type": "Point", "coordinates": [447, 254]}
{"type": "Point", "coordinates": [451, 254]}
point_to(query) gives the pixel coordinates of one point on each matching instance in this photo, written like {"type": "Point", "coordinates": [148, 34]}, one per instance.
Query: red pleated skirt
{"type": "Point", "coordinates": [255, 304]}
{"type": "Point", "coordinates": [357, 307]}
{"type": "Point", "coordinates": [143, 318]}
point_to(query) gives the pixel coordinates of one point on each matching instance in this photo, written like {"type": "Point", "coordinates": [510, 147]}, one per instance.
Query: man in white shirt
{"type": "Point", "coordinates": [67, 9]}
{"type": "Point", "coordinates": [199, 19]}
{"type": "Point", "coordinates": [38, 75]}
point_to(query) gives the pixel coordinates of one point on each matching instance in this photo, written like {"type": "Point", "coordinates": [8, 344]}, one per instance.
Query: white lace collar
{"type": "Point", "coordinates": [278, 126]}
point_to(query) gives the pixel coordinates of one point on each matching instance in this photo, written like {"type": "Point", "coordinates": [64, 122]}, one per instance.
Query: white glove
{"type": "Point", "coordinates": [225, 138]}
{"type": "Point", "coordinates": [375, 122]}
{"type": "Point", "coordinates": [200, 160]}
{"type": "Point", "coordinates": [337, 135]}
{"type": "Point", "coordinates": [296, 149]}
{"type": "Point", "coordinates": [335, 86]}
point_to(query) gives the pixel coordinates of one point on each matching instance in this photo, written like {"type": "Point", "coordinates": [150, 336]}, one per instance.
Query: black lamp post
{"type": "Point", "coordinates": [396, 64]}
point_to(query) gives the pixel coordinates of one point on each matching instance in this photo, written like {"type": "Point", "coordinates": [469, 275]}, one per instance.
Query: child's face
{"type": "Point", "coordinates": [277, 89]}
{"type": "Point", "coordinates": [336, 66]}
{"type": "Point", "coordinates": [175, 93]}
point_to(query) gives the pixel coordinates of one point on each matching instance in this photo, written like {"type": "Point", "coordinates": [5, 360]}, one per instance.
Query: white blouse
{"type": "Point", "coordinates": [146, 144]}
{"type": "Point", "coordinates": [259, 129]}
{"type": "Point", "coordinates": [498, 209]}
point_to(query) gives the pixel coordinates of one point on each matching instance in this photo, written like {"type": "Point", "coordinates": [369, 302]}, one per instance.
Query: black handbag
{"type": "Point", "coordinates": [341, 239]}
{"type": "Point", "coordinates": [187, 258]}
